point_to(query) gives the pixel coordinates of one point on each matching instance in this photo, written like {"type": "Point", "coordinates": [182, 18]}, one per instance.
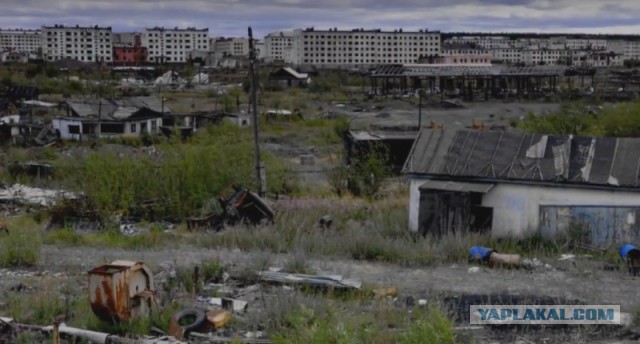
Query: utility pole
{"type": "Point", "coordinates": [260, 172]}
{"type": "Point", "coordinates": [419, 109]}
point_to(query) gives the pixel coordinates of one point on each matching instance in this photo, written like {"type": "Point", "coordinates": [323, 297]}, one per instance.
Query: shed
{"type": "Point", "coordinates": [287, 76]}
{"type": "Point", "coordinates": [516, 184]}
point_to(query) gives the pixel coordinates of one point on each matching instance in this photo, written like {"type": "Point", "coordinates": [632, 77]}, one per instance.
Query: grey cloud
{"type": "Point", "coordinates": [231, 17]}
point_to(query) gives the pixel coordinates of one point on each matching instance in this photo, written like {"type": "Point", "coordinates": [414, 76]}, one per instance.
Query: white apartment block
{"type": "Point", "coordinates": [174, 45]}
{"type": "Point", "coordinates": [231, 46]}
{"type": "Point", "coordinates": [582, 44]}
{"type": "Point", "coordinates": [507, 55]}
{"type": "Point", "coordinates": [463, 49]}
{"type": "Point", "coordinates": [496, 42]}
{"type": "Point", "coordinates": [86, 44]}
{"type": "Point", "coordinates": [342, 49]}
{"type": "Point", "coordinates": [22, 41]}
{"type": "Point", "coordinates": [533, 57]}
{"type": "Point", "coordinates": [282, 46]}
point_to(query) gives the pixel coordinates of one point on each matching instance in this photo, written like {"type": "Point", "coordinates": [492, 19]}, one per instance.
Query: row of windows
{"type": "Point", "coordinates": [362, 55]}
{"type": "Point", "coordinates": [358, 61]}
{"type": "Point", "coordinates": [370, 49]}
{"type": "Point", "coordinates": [395, 37]}
{"type": "Point", "coordinates": [86, 46]}
{"type": "Point", "coordinates": [372, 43]}
{"type": "Point", "coordinates": [199, 35]}
{"type": "Point", "coordinates": [79, 58]}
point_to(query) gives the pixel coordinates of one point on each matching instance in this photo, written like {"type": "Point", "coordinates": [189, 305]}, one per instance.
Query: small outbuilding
{"type": "Point", "coordinates": [515, 184]}
{"type": "Point", "coordinates": [288, 77]}
{"type": "Point", "coordinates": [102, 118]}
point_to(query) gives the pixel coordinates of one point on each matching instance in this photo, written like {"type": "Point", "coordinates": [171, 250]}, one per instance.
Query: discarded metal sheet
{"type": "Point", "coordinates": [121, 291]}
{"type": "Point", "coordinates": [319, 281]}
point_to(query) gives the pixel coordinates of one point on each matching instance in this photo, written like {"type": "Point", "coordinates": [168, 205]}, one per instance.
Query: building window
{"type": "Point", "coordinates": [74, 129]}
{"type": "Point", "coordinates": [133, 127]}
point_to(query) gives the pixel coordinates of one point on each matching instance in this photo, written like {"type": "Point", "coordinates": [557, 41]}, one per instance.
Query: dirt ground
{"type": "Point", "coordinates": [579, 279]}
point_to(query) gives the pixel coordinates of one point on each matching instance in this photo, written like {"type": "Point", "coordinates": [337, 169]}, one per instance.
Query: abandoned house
{"type": "Point", "coordinates": [105, 118]}
{"type": "Point", "coordinates": [396, 145]}
{"type": "Point", "coordinates": [514, 184]}
{"type": "Point", "coordinates": [288, 77]}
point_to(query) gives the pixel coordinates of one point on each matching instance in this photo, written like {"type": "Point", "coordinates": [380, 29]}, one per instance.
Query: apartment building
{"type": "Point", "coordinates": [281, 46]}
{"type": "Point", "coordinates": [174, 45]}
{"type": "Point", "coordinates": [449, 49]}
{"type": "Point", "coordinates": [335, 48]}
{"type": "Point", "coordinates": [233, 46]}
{"type": "Point", "coordinates": [543, 56]}
{"type": "Point", "coordinates": [81, 43]}
{"type": "Point", "coordinates": [494, 42]}
{"type": "Point", "coordinates": [506, 55]}
{"type": "Point", "coordinates": [21, 41]}
{"type": "Point", "coordinates": [584, 44]}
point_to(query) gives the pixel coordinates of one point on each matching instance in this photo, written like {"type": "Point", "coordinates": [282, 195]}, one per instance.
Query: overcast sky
{"type": "Point", "coordinates": [232, 17]}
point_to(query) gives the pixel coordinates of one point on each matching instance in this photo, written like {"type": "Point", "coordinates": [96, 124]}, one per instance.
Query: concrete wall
{"type": "Point", "coordinates": [62, 124]}
{"type": "Point", "coordinates": [516, 208]}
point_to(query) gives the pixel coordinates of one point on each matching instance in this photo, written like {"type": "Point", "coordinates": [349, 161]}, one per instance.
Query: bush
{"type": "Point", "coordinates": [21, 246]}
{"type": "Point", "coordinates": [180, 179]}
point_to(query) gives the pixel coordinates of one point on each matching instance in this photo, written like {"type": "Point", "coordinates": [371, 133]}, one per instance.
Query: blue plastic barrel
{"type": "Point", "coordinates": [625, 249]}
{"type": "Point", "coordinates": [479, 252]}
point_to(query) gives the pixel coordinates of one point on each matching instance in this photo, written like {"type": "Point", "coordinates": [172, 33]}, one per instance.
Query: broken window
{"type": "Point", "coordinates": [133, 127]}
{"type": "Point", "coordinates": [74, 129]}
{"type": "Point", "coordinates": [112, 128]}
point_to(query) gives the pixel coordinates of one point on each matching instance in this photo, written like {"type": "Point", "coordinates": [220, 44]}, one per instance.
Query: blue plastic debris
{"type": "Point", "coordinates": [625, 249]}
{"type": "Point", "coordinates": [480, 253]}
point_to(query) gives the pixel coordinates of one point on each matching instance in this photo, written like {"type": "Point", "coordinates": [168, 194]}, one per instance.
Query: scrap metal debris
{"type": "Point", "coordinates": [243, 206]}
{"type": "Point", "coordinates": [23, 194]}
{"type": "Point", "coordinates": [121, 291]}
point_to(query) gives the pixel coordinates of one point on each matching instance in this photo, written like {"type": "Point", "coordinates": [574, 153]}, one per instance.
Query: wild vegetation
{"type": "Point", "coordinates": [614, 120]}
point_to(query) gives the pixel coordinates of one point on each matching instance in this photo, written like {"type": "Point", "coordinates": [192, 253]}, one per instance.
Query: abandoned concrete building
{"type": "Point", "coordinates": [514, 184]}
{"type": "Point", "coordinates": [102, 118]}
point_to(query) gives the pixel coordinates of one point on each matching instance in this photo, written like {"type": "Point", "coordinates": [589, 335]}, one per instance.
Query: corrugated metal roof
{"type": "Point", "coordinates": [116, 109]}
{"type": "Point", "coordinates": [500, 155]}
{"type": "Point", "coordinates": [456, 186]}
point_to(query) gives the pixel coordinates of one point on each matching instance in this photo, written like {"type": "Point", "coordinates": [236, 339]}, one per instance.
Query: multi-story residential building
{"type": "Point", "coordinates": [174, 45]}
{"type": "Point", "coordinates": [282, 46]}
{"type": "Point", "coordinates": [496, 42]}
{"type": "Point", "coordinates": [86, 44]}
{"type": "Point", "coordinates": [449, 49]}
{"type": "Point", "coordinates": [22, 41]}
{"type": "Point", "coordinates": [532, 57]}
{"type": "Point", "coordinates": [583, 44]}
{"type": "Point", "coordinates": [128, 38]}
{"type": "Point", "coordinates": [232, 46]}
{"type": "Point", "coordinates": [359, 47]}
{"type": "Point", "coordinates": [506, 55]}
{"type": "Point", "coordinates": [129, 51]}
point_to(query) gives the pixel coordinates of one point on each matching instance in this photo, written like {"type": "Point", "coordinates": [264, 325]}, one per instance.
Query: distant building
{"type": "Point", "coordinates": [130, 53]}
{"type": "Point", "coordinates": [129, 38]}
{"type": "Point", "coordinates": [281, 46]}
{"type": "Point", "coordinates": [21, 41]}
{"type": "Point", "coordinates": [174, 45]}
{"type": "Point", "coordinates": [356, 48]}
{"type": "Point", "coordinates": [86, 44]}
{"type": "Point", "coordinates": [106, 118]}
{"type": "Point", "coordinates": [232, 46]}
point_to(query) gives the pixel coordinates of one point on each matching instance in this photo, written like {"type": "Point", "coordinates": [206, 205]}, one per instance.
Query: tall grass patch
{"type": "Point", "coordinates": [20, 247]}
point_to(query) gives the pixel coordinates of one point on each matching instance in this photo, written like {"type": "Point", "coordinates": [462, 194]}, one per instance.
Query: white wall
{"type": "Point", "coordinates": [516, 208]}
{"type": "Point", "coordinates": [414, 203]}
